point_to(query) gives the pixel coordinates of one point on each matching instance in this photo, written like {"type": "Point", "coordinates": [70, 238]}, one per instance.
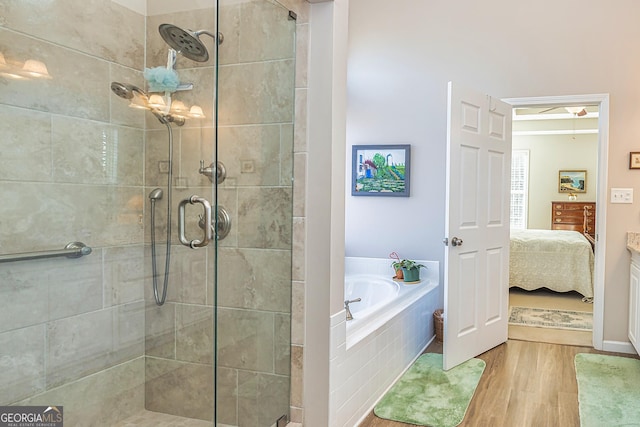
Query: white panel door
{"type": "Point", "coordinates": [476, 269]}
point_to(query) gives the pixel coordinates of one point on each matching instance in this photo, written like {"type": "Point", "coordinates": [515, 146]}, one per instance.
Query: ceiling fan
{"type": "Point", "coordinates": [577, 111]}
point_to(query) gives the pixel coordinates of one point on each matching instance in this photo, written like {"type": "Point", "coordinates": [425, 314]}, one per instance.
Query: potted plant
{"type": "Point", "coordinates": [397, 266]}
{"type": "Point", "coordinates": [409, 268]}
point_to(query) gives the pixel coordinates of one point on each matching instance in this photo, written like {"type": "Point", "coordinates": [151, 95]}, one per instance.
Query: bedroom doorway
{"type": "Point", "coordinates": [578, 126]}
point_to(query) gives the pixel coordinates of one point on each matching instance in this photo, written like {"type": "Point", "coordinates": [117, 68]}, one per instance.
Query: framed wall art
{"type": "Point", "coordinates": [381, 170]}
{"type": "Point", "coordinates": [634, 160]}
{"type": "Point", "coordinates": [572, 181]}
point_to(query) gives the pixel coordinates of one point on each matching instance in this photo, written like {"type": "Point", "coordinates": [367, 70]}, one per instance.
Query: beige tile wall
{"type": "Point", "coordinates": [256, 138]}
{"type": "Point", "coordinates": [254, 282]}
{"type": "Point", "coordinates": [70, 170]}
{"type": "Point", "coordinates": [179, 336]}
{"type": "Point", "coordinates": [72, 330]}
{"type": "Point", "coordinates": [301, 7]}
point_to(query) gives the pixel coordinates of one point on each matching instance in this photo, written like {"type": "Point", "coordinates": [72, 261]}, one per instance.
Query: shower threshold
{"type": "Point", "coordinates": [158, 419]}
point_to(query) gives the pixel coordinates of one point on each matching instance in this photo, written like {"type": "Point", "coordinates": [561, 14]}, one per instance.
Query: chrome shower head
{"type": "Point", "coordinates": [156, 194]}
{"type": "Point", "coordinates": [186, 42]}
{"type": "Point", "coordinates": [127, 91]}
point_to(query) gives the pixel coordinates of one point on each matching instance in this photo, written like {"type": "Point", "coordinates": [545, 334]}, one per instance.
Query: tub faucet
{"type": "Point", "coordinates": [346, 306]}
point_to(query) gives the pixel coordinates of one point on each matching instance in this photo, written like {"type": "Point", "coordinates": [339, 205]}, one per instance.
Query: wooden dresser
{"type": "Point", "coordinates": [571, 216]}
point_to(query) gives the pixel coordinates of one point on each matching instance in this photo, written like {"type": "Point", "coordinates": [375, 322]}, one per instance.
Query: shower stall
{"type": "Point", "coordinates": [146, 164]}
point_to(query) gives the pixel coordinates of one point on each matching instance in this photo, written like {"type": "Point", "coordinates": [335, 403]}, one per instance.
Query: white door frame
{"type": "Point", "coordinates": [602, 100]}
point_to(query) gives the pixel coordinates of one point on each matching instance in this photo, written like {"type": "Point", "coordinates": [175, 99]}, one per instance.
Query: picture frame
{"type": "Point", "coordinates": [572, 181]}
{"type": "Point", "coordinates": [634, 160]}
{"type": "Point", "coordinates": [381, 170]}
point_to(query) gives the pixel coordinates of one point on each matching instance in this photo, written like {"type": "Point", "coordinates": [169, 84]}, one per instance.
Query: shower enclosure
{"type": "Point", "coordinates": [82, 328]}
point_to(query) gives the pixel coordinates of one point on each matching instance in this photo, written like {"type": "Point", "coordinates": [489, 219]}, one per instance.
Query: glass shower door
{"type": "Point", "coordinates": [79, 165]}
{"type": "Point", "coordinates": [255, 96]}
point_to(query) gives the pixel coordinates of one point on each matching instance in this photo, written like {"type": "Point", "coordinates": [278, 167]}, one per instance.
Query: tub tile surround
{"type": "Point", "coordinates": [361, 373]}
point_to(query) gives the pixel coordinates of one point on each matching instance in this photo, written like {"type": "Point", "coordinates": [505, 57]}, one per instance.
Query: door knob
{"type": "Point", "coordinates": [456, 242]}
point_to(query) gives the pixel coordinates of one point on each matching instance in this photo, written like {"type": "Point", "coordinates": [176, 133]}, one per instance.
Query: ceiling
{"type": "Point", "coordinates": [554, 120]}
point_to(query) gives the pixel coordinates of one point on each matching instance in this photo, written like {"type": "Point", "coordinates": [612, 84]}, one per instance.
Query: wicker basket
{"type": "Point", "coordinates": [438, 323]}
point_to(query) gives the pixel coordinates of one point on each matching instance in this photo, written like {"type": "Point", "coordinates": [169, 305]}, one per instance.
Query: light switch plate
{"type": "Point", "coordinates": [622, 195]}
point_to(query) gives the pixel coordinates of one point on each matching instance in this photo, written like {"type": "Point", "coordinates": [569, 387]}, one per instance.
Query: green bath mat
{"type": "Point", "coordinates": [427, 395]}
{"type": "Point", "coordinates": [608, 390]}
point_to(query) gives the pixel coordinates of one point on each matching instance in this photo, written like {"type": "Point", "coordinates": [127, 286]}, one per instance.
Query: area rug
{"type": "Point", "coordinates": [551, 318]}
{"type": "Point", "coordinates": [608, 390]}
{"type": "Point", "coordinates": [427, 395]}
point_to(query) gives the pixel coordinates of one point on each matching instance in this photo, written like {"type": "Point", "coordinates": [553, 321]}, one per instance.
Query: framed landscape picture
{"type": "Point", "coordinates": [381, 170]}
{"type": "Point", "coordinates": [572, 181]}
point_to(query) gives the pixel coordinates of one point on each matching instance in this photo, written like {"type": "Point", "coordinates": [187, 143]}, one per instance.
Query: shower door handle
{"type": "Point", "coordinates": [181, 222]}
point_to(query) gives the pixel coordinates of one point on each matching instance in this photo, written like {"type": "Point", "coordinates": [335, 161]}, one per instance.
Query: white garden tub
{"type": "Point", "coordinates": [382, 297]}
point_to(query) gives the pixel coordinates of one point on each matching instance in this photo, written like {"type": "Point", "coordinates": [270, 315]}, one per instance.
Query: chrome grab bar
{"type": "Point", "coordinates": [208, 235]}
{"type": "Point", "coordinates": [72, 250]}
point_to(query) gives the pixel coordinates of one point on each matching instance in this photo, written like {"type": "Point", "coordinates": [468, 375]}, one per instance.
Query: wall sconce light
{"type": "Point", "coordinates": [36, 69]}
{"type": "Point", "coordinates": [5, 69]}
{"type": "Point", "coordinates": [178, 108]}
{"type": "Point", "coordinates": [196, 112]}
{"type": "Point", "coordinates": [573, 197]}
{"type": "Point", "coordinates": [165, 105]}
{"type": "Point", "coordinates": [157, 101]}
{"type": "Point", "coordinates": [30, 69]}
{"type": "Point", "coordinates": [138, 101]}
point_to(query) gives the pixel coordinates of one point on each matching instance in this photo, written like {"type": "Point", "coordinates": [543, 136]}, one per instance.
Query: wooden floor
{"type": "Point", "coordinates": [525, 384]}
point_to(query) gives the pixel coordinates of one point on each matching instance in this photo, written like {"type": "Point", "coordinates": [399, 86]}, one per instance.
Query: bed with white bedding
{"type": "Point", "coordinates": [555, 259]}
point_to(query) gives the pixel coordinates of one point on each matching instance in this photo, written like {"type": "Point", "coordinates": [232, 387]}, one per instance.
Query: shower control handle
{"type": "Point", "coordinates": [221, 225]}
{"type": "Point", "coordinates": [208, 235]}
{"type": "Point", "coordinates": [216, 169]}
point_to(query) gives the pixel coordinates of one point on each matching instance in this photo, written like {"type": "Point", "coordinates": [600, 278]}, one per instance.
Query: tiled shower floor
{"type": "Point", "coordinates": [157, 419]}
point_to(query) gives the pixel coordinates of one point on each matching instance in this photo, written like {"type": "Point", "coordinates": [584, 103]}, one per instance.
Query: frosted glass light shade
{"type": "Point", "coordinates": [6, 69]}
{"type": "Point", "coordinates": [36, 69]}
{"type": "Point", "coordinates": [178, 107]}
{"type": "Point", "coordinates": [138, 102]}
{"type": "Point", "coordinates": [196, 112]}
{"type": "Point", "coordinates": [157, 101]}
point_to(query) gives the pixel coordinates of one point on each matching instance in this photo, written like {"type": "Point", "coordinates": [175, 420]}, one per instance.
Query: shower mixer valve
{"type": "Point", "coordinates": [218, 169]}
{"type": "Point", "coordinates": [220, 225]}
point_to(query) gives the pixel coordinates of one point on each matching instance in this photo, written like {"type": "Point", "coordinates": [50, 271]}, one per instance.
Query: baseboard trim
{"type": "Point", "coordinates": [618, 347]}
